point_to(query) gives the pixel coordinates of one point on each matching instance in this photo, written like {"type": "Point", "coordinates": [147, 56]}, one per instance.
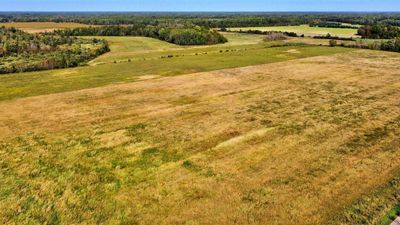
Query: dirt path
{"type": "Point", "coordinates": [396, 221]}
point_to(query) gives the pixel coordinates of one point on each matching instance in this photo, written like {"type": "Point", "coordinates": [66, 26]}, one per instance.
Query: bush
{"type": "Point", "coordinates": [332, 43]}
{"type": "Point", "coordinates": [275, 37]}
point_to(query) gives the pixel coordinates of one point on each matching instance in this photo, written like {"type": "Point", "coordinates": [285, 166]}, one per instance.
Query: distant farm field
{"type": "Point", "coordinates": [306, 30]}
{"type": "Point", "coordinates": [36, 27]}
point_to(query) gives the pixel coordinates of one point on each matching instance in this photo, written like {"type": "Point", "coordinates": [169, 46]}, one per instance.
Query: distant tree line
{"type": "Point", "coordinates": [210, 20]}
{"type": "Point", "coordinates": [182, 36]}
{"type": "Point", "coordinates": [289, 34]}
{"type": "Point", "coordinates": [329, 36]}
{"type": "Point", "coordinates": [392, 45]}
{"type": "Point", "coordinates": [379, 31]}
{"type": "Point", "coordinates": [21, 51]}
{"type": "Point", "coordinates": [332, 25]}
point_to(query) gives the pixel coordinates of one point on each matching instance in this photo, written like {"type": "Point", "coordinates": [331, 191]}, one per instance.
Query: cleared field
{"type": "Point", "coordinates": [145, 65]}
{"type": "Point", "coordinates": [306, 30]}
{"type": "Point", "coordinates": [36, 27]}
{"type": "Point", "coordinates": [133, 48]}
{"type": "Point", "coordinates": [292, 142]}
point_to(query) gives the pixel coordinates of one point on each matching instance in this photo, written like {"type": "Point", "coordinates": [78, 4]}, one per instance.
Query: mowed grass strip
{"type": "Point", "coordinates": [162, 64]}
{"type": "Point", "coordinates": [306, 30]}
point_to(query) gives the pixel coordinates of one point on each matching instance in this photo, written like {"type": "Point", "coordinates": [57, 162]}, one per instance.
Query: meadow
{"type": "Point", "coordinates": [246, 132]}
{"type": "Point", "coordinates": [306, 30]}
{"type": "Point", "coordinates": [134, 64]}
{"type": "Point", "coordinates": [37, 27]}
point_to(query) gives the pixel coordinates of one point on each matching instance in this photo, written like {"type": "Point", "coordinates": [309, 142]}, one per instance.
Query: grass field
{"type": "Point", "coordinates": [248, 133]}
{"type": "Point", "coordinates": [282, 143]}
{"type": "Point", "coordinates": [151, 64]}
{"type": "Point", "coordinates": [134, 48]}
{"type": "Point", "coordinates": [36, 27]}
{"type": "Point", "coordinates": [306, 30]}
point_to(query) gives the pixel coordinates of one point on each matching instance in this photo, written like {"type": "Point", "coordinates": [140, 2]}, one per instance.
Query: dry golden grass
{"type": "Point", "coordinates": [37, 27]}
{"type": "Point", "coordinates": [268, 144]}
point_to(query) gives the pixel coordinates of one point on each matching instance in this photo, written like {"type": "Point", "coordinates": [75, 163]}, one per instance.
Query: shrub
{"type": "Point", "coordinates": [275, 37]}
{"type": "Point", "coordinates": [332, 43]}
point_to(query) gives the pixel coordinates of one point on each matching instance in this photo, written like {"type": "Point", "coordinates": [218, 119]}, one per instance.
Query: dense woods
{"type": "Point", "coordinates": [379, 31]}
{"type": "Point", "coordinates": [20, 51]}
{"type": "Point", "coordinates": [211, 20]}
{"type": "Point", "coordinates": [182, 36]}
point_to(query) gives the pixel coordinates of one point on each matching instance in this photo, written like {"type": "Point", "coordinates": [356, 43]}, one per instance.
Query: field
{"type": "Point", "coordinates": [306, 30]}
{"type": "Point", "coordinates": [245, 132]}
{"type": "Point", "coordinates": [36, 27]}
{"type": "Point", "coordinates": [134, 65]}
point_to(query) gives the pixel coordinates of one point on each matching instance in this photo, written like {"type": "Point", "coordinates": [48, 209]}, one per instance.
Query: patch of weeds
{"type": "Point", "coordinates": [281, 181]}
{"type": "Point", "coordinates": [197, 193]}
{"type": "Point", "coordinates": [97, 151]}
{"type": "Point", "coordinates": [291, 128]}
{"type": "Point", "coordinates": [154, 157]}
{"type": "Point", "coordinates": [257, 196]}
{"type": "Point", "coordinates": [185, 100]}
{"type": "Point", "coordinates": [150, 157]}
{"type": "Point", "coordinates": [54, 217]}
{"type": "Point", "coordinates": [266, 122]}
{"type": "Point", "coordinates": [189, 165]}
{"type": "Point", "coordinates": [370, 207]}
{"type": "Point", "coordinates": [105, 174]}
{"type": "Point", "coordinates": [136, 131]}
{"type": "Point", "coordinates": [390, 216]}
{"type": "Point", "coordinates": [119, 163]}
{"type": "Point", "coordinates": [266, 106]}
{"type": "Point", "coordinates": [370, 137]}
{"type": "Point", "coordinates": [84, 140]}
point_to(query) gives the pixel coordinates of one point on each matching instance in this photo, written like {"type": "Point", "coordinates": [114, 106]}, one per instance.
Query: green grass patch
{"type": "Point", "coordinates": [390, 216]}
{"type": "Point", "coordinates": [182, 62]}
{"type": "Point", "coordinates": [306, 30]}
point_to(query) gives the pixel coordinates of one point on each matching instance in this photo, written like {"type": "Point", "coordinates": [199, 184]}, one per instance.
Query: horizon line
{"type": "Point", "coordinates": [200, 11]}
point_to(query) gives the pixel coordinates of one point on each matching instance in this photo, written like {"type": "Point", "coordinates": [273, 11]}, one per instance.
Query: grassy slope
{"type": "Point", "coordinates": [186, 60]}
{"type": "Point", "coordinates": [284, 143]}
{"type": "Point", "coordinates": [306, 30]}
{"type": "Point", "coordinates": [124, 48]}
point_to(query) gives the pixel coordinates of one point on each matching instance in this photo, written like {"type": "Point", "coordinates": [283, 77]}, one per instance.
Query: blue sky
{"type": "Point", "coordinates": [199, 5]}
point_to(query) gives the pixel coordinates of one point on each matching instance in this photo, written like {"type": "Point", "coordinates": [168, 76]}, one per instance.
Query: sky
{"type": "Point", "coordinates": [201, 5]}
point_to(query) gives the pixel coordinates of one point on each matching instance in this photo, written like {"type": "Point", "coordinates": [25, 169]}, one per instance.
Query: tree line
{"type": "Point", "coordinates": [379, 31]}
{"type": "Point", "coordinates": [210, 20]}
{"type": "Point", "coordinates": [288, 34]}
{"type": "Point", "coordinates": [181, 36]}
{"type": "Point", "coordinates": [331, 25]}
{"type": "Point", "coordinates": [21, 51]}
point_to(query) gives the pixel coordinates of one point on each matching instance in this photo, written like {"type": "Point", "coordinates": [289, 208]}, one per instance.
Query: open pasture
{"type": "Point", "coordinates": [134, 48]}
{"type": "Point", "coordinates": [37, 27]}
{"type": "Point", "coordinates": [137, 64]}
{"type": "Point", "coordinates": [290, 142]}
{"type": "Point", "coordinates": [306, 30]}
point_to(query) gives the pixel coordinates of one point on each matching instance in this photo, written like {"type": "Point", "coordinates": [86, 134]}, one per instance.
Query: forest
{"type": "Point", "coordinates": [379, 31]}
{"type": "Point", "coordinates": [211, 20]}
{"type": "Point", "coordinates": [21, 51]}
{"type": "Point", "coordinates": [194, 35]}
